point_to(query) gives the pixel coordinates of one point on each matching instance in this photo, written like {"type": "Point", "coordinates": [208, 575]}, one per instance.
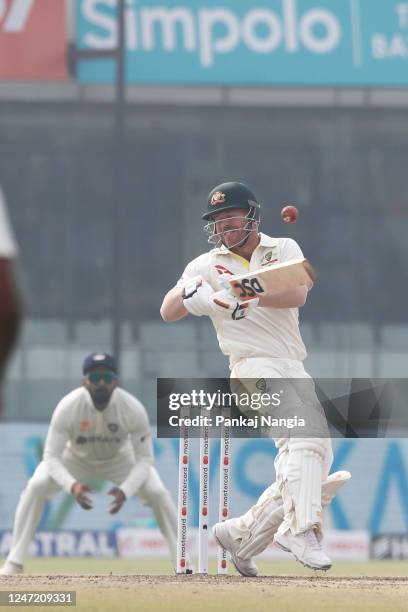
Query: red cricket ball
{"type": "Point", "coordinates": [289, 214]}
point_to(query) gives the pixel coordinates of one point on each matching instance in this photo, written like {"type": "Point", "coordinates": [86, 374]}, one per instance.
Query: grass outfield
{"type": "Point", "coordinates": [116, 584]}
{"type": "Point", "coordinates": [162, 567]}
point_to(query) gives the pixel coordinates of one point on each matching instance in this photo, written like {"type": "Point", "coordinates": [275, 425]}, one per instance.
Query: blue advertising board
{"type": "Point", "coordinates": [250, 42]}
{"type": "Point", "coordinates": [375, 500]}
{"type": "Point", "coordinates": [66, 543]}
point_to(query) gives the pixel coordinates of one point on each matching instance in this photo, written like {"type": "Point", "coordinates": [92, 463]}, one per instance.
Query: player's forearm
{"type": "Point", "coordinates": [293, 298]}
{"type": "Point", "coordinates": [173, 308]}
{"type": "Point", "coordinates": [59, 472]}
{"type": "Point", "coordinates": [143, 453]}
{"type": "Point", "coordinates": [136, 478]}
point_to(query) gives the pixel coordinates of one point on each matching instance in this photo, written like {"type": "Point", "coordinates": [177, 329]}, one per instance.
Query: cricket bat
{"type": "Point", "coordinates": [273, 279]}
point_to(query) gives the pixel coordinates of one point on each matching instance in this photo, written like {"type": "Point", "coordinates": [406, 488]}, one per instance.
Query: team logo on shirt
{"type": "Point", "coordinates": [269, 257]}
{"type": "Point", "coordinates": [113, 427]}
{"type": "Point", "coordinates": [85, 426]}
{"type": "Point", "coordinates": [217, 198]}
{"type": "Point", "coordinates": [93, 439]}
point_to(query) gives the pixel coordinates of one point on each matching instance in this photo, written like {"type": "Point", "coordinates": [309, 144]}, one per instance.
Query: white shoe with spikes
{"type": "Point", "coordinates": [306, 548]}
{"type": "Point", "coordinates": [246, 567]}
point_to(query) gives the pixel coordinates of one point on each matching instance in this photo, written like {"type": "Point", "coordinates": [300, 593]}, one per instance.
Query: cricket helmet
{"type": "Point", "coordinates": [228, 196]}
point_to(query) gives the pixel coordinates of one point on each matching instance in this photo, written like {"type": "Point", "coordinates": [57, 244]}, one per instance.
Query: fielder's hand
{"type": "Point", "coordinates": [119, 500]}
{"type": "Point", "coordinates": [79, 491]}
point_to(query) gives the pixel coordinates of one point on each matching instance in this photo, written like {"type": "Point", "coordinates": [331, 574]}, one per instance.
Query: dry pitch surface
{"type": "Point", "coordinates": [281, 587]}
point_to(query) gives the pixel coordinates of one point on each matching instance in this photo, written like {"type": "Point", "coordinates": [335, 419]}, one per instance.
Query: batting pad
{"type": "Point", "coordinates": [268, 514]}
{"type": "Point", "coordinates": [302, 484]}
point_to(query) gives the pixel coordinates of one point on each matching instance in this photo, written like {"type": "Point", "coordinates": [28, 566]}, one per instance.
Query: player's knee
{"type": "Point", "coordinates": [156, 493]}
{"type": "Point", "coordinates": [272, 492]}
{"type": "Point", "coordinates": [37, 486]}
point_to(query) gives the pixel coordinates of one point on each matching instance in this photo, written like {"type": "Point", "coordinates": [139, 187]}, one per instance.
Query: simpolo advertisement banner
{"type": "Point", "coordinates": [250, 42]}
{"type": "Point", "coordinates": [32, 40]}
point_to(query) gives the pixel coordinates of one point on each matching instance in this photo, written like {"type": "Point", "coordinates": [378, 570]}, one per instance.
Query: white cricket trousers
{"type": "Point", "coordinates": [41, 488]}
{"type": "Point", "coordinates": [256, 368]}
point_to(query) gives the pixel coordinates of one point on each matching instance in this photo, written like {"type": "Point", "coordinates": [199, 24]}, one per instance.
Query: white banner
{"type": "Point", "coordinates": [140, 543]}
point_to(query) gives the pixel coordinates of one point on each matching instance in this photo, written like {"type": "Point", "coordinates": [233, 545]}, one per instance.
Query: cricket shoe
{"type": "Point", "coordinates": [306, 549]}
{"type": "Point", "coordinates": [9, 568]}
{"type": "Point", "coordinates": [246, 567]}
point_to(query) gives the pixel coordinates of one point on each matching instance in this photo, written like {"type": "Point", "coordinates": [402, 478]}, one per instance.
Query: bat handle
{"type": "Point", "coordinates": [223, 280]}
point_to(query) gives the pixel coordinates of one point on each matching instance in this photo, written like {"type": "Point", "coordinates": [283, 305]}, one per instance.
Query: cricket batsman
{"type": "Point", "coordinates": [97, 431]}
{"type": "Point", "coordinates": [262, 340]}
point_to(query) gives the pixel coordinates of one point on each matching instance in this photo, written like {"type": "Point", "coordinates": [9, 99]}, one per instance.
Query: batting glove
{"type": "Point", "coordinates": [200, 299]}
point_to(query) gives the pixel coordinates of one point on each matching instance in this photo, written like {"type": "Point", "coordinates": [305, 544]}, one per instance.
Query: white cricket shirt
{"type": "Point", "coordinates": [94, 436]}
{"type": "Point", "coordinates": [264, 332]}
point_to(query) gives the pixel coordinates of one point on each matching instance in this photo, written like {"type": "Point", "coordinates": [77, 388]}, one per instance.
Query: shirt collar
{"type": "Point", "coordinates": [266, 241]}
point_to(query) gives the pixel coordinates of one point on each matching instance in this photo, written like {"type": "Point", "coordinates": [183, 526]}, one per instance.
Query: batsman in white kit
{"type": "Point", "coordinates": [258, 328]}
{"type": "Point", "coordinates": [97, 431]}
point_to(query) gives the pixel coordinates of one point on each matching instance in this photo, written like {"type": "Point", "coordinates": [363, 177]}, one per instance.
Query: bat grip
{"type": "Point", "coordinates": [223, 280]}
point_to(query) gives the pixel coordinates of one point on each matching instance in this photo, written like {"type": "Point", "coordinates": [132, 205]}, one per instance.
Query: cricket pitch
{"type": "Point", "coordinates": [288, 587]}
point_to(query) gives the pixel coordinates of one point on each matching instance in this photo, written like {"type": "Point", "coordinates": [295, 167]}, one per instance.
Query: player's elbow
{"type": "Point", "coordinates": [166, 312]}
{"type": "Point", "coordinates": [50, 463]}
{"type": "Point", "coordinates": [169, 316]}
{"type": "Point", "coordinates": [48, 457]}
{"type": "Point", "coordinates": [301, 296]}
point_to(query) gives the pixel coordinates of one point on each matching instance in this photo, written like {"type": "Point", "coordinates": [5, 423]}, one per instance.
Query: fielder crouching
{"type": "Point", "coordinates": [97, 431]}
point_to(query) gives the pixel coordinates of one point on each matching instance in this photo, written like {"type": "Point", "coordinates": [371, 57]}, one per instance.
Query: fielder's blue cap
{"type": "Point", "coordinates": [99, 360]}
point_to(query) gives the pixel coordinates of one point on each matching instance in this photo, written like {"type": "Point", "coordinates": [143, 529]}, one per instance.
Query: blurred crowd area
{"type": "Point", "coordinates": [90, 260]}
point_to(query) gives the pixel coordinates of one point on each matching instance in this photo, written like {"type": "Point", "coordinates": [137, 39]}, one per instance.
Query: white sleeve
{"type": "Point", "coordinates": [141, 439]}
{"type": "Point", "coordinates": [8, 245]}
{"type": "Point", "coordinates": [189, 273]}
{"type": "Point", "coordinates": [57, 438]}
{"type": "Point", "coordinates": [200, 266]}
{"type": "Point", "coordinates": [290, 250]}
